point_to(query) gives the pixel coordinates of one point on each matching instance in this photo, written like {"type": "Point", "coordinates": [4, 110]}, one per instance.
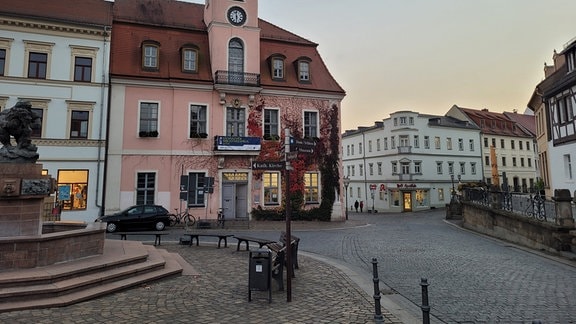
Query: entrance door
{"type": "Point", "coordinates": [407, 198]}
{"type": "Point", "coordinates": [229, 200]}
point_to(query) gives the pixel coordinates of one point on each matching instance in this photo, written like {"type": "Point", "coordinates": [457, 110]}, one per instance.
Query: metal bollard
{"type": "Point", "coordinates": [377, 310]}
{"type": "Point", "coordinates": [425, 306]}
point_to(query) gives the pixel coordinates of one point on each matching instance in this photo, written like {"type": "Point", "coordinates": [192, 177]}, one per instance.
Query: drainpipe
{"type": "Point", "coordinates": [105, 81]}
{"type": "Point", "coordinates": [364, 167]}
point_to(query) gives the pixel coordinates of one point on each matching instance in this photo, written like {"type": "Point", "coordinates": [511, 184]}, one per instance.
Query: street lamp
{"type": "Point", "coordinates": [346, 181]}
{"type": "Point", "coordinates": [452, 179]}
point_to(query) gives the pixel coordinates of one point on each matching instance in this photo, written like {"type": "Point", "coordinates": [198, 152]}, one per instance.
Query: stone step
{"type": "Point", "coordinates": [159, 264]}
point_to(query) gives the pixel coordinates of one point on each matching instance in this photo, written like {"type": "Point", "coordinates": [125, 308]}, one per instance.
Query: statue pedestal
{"type": "Point", "coordinates": [20, 215]}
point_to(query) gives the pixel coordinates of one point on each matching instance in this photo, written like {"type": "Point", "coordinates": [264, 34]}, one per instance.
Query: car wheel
{"type": "Point", "coordinates": [160, 226]}
{"type": "Point", "coordinates": [111, 228]}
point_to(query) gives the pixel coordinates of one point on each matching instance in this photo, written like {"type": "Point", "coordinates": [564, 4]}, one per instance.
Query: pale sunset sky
{"type": "Point", "coordinates": [427, 55]}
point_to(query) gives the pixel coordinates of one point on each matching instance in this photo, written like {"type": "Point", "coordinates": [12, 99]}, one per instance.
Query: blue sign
{"type": "Point", "coordinates": [237, 143]}
{"type": "Point", "coordinates": [64, 192]}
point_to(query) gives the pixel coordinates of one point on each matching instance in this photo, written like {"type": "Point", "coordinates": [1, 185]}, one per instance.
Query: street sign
{"type": "Point", "coordinates": [268, 165]}
{"type": "Point", "coordinates": [290, 156]}
{"type": "Point", "coordinates": [372, 187]}
{"type": "Point", "coordinates": [302, 145]}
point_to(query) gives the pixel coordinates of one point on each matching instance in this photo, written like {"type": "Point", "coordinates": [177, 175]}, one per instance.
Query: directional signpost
{"type": "Point", "coordinates": [268, 165]}
{"type": "Point", "coordinates": [302, 145]}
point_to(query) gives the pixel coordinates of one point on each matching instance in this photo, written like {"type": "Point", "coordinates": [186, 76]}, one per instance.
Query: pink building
{"type": "Point", "coordinates": [203, 91]}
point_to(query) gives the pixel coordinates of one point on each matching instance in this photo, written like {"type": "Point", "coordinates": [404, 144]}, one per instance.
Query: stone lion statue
{"type": "Point", "coordinates": [18, 122]}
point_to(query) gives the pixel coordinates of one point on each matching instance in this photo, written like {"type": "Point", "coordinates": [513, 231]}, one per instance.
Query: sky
{"type": "Point", "coordinates": [428, 55]}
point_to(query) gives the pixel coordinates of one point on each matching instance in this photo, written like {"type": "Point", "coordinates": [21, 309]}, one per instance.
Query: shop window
{"type": "Point", "coordinates": [271, 184]}
{"type": "Point", "coordinates": [72, 189]}
{"type": "Point", "coordinates": [422, 198]}
{"type": "Point", "coordinates": [395, 194]}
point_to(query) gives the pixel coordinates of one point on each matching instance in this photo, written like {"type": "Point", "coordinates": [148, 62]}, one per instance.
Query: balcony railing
{"type": "Point", "coordinates": [405, 177]}
{"type": "Point", "coordinates": [404, 149]}
{"type": "Point", "coordinates": [237, 78]}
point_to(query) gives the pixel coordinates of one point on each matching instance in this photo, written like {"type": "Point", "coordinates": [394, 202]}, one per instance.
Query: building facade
{"type": "Point", "coordinates": [55, 55]}
{"type": "Point", "coordinates": [514, 145]}
{"type": "Point", "coordinates": [553, 104]}
{"type": "Point", "coordinates": [410, 161]}
{"type": "Point", "coordinates": [199, 93]}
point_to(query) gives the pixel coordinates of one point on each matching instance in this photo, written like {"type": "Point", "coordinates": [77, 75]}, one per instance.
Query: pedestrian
{"type": "Point", "coordinates": [356, 205]}
{"type": "Point", "coordinates": [361, 205]}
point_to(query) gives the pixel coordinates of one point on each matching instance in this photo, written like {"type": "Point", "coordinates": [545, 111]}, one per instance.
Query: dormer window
{"type": "Point", "coordinates": [189, 54]}
{"type": "Point", "coordinates": [571, 60]}
{"type": "Point", "coordinates": [150, 55]}
{"type": "Point", "coordinates": [277, 68]}
{"type": "Point", "coordinates": [303, 65]}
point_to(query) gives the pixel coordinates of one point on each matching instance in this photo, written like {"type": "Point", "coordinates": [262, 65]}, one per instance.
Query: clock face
{"type": "Point", "coordinates": [237, 16]}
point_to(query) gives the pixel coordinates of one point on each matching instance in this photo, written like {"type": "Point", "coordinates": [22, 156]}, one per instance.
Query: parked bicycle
{"type": "Point", "coordinates": [183, 217]}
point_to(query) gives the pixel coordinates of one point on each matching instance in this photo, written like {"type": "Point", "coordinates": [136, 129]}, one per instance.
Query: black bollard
{"type": "Point", "coordinates": [425, 306]}
{"type": "Point", "coordinates": [377, 310]}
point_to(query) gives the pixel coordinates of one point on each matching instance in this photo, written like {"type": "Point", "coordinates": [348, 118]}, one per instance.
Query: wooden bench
{"type": "Point", "coordinates": [278, 263]}
{"type": "Point", "coordinates": [157, 235]}
{"type": "Point", "coordinates": [249, 239]}
{"type": "Point", "coordinates": [221, 237]}
{"type": "Point", "coordinates": [294, 248]}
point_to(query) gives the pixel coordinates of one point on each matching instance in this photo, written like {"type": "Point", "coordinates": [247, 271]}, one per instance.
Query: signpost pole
{"type": "Point", "coordinates": [288, 204]}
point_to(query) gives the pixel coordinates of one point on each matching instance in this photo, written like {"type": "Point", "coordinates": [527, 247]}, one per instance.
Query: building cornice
{"type": "Point", "coordinates": [68, 142]}
{"type": "Point", "coordinates": [79, 31]}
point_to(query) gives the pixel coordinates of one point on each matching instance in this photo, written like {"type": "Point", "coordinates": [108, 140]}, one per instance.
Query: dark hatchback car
{"type": "Point", "coordinates": [139, 217]}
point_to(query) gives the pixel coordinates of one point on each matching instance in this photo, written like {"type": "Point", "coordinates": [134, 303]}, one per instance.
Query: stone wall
{"type": "Point", "coordinates": [516, 228]}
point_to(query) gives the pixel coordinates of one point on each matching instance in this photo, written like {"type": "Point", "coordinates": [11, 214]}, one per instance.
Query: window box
{"type": "Point", "coordinates": [148, 134]}
{"type": "Point", "coordinates": [198, 135]}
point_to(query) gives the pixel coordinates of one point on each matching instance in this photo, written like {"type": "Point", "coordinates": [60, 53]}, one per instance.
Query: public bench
{"type": "Point", "coordinates": [295, 241]}
{"type": "Point", "coordinates": [157, 235]}
{"type": "Point", "coordinates": [221, 237]}
{"type": "Point", "coordinates": [278, 263]}
{"type": "Point", "coordinates": [248, 239]}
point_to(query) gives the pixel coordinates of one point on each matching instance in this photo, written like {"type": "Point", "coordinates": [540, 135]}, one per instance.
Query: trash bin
{"type": "Point", "coordinates": [260, 273]}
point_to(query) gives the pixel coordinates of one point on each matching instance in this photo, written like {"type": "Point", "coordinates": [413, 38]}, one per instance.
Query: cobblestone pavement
{"type": "Point", "coordinates": [320, 294]}
{"type": "Point", "coordinates": [472, 278]}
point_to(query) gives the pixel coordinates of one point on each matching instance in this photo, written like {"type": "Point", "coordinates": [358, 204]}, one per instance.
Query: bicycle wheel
{"type": "Point", "coordinates": [173, 219]}
{"type": "Point", "coordinates": [189, 220]}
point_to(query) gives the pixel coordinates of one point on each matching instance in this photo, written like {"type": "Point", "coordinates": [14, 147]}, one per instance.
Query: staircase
{"type": "Point", "coordinates": [123, 264]}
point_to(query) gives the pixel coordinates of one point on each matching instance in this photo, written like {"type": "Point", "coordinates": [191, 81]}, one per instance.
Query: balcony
{"type": "Point", "coordinates": [404, 149]}
{"type": "Point", "coordinates": [237, 79]}
{"type": "Point", "coordinates": [404, 177]}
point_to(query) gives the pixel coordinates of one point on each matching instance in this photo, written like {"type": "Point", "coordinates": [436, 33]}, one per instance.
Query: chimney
{"type": "Point", "coordinates": [485, 109]}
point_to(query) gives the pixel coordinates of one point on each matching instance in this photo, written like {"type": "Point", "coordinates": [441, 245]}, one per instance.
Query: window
{"type": "Point", "coordinates": [522, 162]}
{"type": "Point", "coordinates": [448, 143]}
{"type": "Point", "coordinates": [353, 170]}
{"type": "Point", "coordinates": [567, 166]}
{"type": "Point", "coordinates": [471, 145]}
{"type": "Point", "coordinates": [450, 167]}
{"type": "Point", "coordinates": [235, 121]}
{"type": "Point", "coordinates": [378, 144]}
{"type": "Point", "coordinates": [190, 59]}
{"type": "Point", "coordinates": [79, 124]}
{"type": "Point", "coordinates": [271, 127]}
{"type": "Point", "coordinates": [371, 168]}
{"type": "Point", "coordinates": [360, 169]}
{"type": "Point", "coordinates": [396, 121]}
{"type": "Point", "coordinates": [348, 171]}
{"type": "Point", "coordinates": [437, 142]}
{"type": "Point", "coordinates": [145, 188]}
{"type": "Point", "coordinates": [359, 148]}
{"type": "Point", "coordinates": [440, 194]}
{"type": "Point", "coordinates": [271, 186]}
{"type": "Point", "coordinates": [236, 61]}
{"type": "Point", "coordinates": [418, 167]}
{"type": "Point", "coordinates": [348, 150]}
{"type": "Point", "coordinates": [2, 61]}
{"type": "Point", "coordinates": [411, 120]}
{"type": "Point", "coordinates": [150, 53]}
{"type": "Point", "coordinates": [37, 132]}
{"type": "Point", "coordinates": [405, 166]}
{"type": "Point", "coordinates": [352, 149]}
{"type": "Point", "coordinates": [426, 142]}
{"type": "Point", "coordinates": [196, 184]}
{"type": "Point", "coordinates": [513, 161]}
{"type": "Point", "coordinates": [416, 141]}
{"type": "Point", "coordinates": [83, 69]}
{"type": "Point", "coordinates": [148, 119]}
{"type": "Point", "coordinates": [311, 187]}
{"type": "Point", "coordinates": [73, 189]}
{"type": "Point", "coordinates": [473, 167]}
{"type": "Point", "coordinates": [395, 194]}
{"type": "Point", "coordinates": [404, 140]}
{"type": "Point", "coordinates": [513, 145]}
{"type": "Point", "coordinates": [462, 167]}
{"type": "Point", "coordinates": [527, 146]}
{"type": "Point", "coordinates": [529, 162]}
{"type": "Point", "coordinates": [503, 161]}
{"type": "Point", "coordinates": [439, 167]}
{"type": "Point", "coordinates": [460, 144]}
{"type": "Point", "coordinates": [494, 142]}
{"type": "Point", "coordinates": [303, 71]}
{"type": "Point", "coordinates": [379, 168]}
{"type": "Point", "coordinates": [520, 146]}
{"type": "Point", "coordinates": [393, 142]}
{"type": "Point", "coordinates": [385, 143]}
{"type": "Point", "coordinates": [310, 124]}
{"type": "Point", "coordinates": [198, 121]}
{"type": "Point", "coordinates": [501, 143]}
{"type": "Point", "coordinates": [485, 142]}
{"type": "Point", "coordinates": [370, 146]}
{"type": "Point", "coordinates": [394, 167]}
{"type": "Point", "coordinates": [487, 160]}
{"type": "Point", "coordinates": [37, 65]}
{"type": "Point", "coordinates": [278, 68]}
{"type": "Point", "coordinates": [402, 121]}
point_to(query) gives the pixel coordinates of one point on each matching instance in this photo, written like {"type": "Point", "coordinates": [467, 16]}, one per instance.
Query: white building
{"type": "Point", "coordinates": [55, 55]}
{"type": "Point", "coordinates": [410, 161]}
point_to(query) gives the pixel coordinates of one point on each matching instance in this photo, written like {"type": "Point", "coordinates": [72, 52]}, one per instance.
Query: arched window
{"type": "Point", "coordinates": [236, 61]}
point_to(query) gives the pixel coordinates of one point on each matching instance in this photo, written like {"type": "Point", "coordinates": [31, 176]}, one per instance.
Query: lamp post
{"type": "Point", "coordinates": [346, 181]}
{"type": "Point", "coordinates": [452, 179]}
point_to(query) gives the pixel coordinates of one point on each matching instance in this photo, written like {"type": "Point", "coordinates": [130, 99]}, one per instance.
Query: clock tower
{"type": "Point", "coordinates": [233, 35]}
